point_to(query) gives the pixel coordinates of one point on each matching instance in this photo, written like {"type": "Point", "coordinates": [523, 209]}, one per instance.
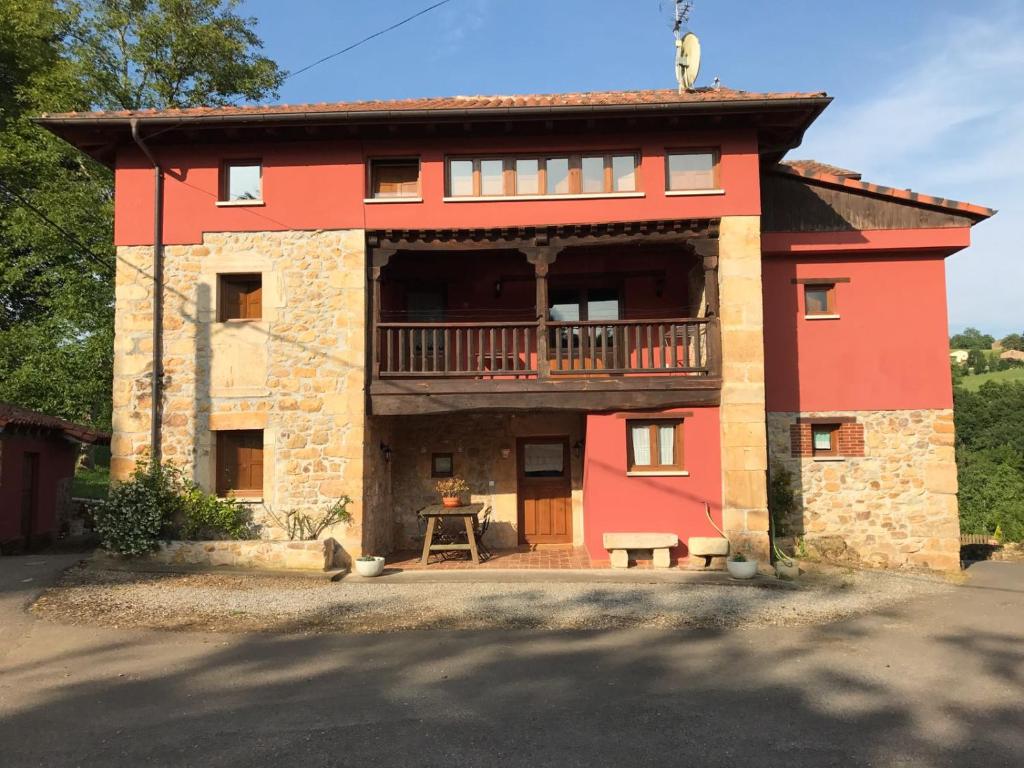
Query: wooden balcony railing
{"type": "Point", "coordinates": [509, 350]}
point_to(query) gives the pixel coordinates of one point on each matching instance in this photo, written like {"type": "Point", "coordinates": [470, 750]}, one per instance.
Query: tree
{"type": "Point", "coordinates": [1013, 341]}
{"type": "Point", "coordinates": [971, 338]}
{"type": "Point", "coordinates": [56, 205]}
{"type": "Point", "coordinates": [977, 361]}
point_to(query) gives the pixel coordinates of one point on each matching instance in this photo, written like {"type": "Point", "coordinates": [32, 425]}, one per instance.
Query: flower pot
{"type": "Point", "coordinates": [451, 501]}
{"type": "Point", "coordinates": [784, 571]}
{"type": "Point", "coordinates": [742, 569]}
{"type": "Point", "coordinates": [373, 567]}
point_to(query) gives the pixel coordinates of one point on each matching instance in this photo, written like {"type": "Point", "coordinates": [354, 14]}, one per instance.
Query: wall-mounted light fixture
{"type": "Point", "coordinates": [497, 287]}
{"type": "Point", "coordinates": [577, 449]}
{"type": "Point", "coordinates": [506, 452]}
{"type": "Point", "coordinates": [385, 451]}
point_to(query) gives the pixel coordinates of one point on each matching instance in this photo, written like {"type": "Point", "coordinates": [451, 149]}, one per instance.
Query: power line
{"type": "Point", "coordinates": [57, 227]}
{"type": "Point", "coordinates": [367, 39]}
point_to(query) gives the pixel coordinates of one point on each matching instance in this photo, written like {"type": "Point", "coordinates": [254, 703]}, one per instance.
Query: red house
{"type": "Point", "coordinates": [602, 310]}
{"type": "Point", "coordinates": [37, 463]}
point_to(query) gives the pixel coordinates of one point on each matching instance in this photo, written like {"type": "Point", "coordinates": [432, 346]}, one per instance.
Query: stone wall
{"type": "Point", "coordinates": [744, 456]}
{"type": "Point", "coordinates": [478, 443]}
{"type": "Point", "coordinates": [291, 555]}
{"type": "Point", "coordinates": [893, 507]}
{"type": "Point", "coordinates": [297, 373]}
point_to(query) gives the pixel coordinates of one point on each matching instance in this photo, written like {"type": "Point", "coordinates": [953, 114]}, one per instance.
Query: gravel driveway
{"type": "Point", "coordinates": [233, 602]}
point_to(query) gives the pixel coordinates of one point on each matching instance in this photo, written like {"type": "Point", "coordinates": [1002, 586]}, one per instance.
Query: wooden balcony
{"type": "Point", "coordinates": [537, 361]}
{"type": "Point", "coordinates": [595, 365]}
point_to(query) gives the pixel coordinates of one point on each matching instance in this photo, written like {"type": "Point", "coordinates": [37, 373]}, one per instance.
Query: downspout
{"type": "Point", "coordinates": [158, 281]}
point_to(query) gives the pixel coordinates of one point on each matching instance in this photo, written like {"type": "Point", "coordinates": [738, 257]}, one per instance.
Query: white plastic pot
{"type": "Point", "coordinates": [742, 569]}
{"type": "Point", "coordinates": [373, 567]}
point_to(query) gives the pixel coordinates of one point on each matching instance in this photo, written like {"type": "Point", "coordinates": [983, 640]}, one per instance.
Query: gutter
{"type": "Point", "coordinates": [158, 282]}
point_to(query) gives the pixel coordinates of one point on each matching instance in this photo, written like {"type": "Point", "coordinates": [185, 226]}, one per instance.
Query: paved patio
{"type": "Point", "coordinates": [551, 558]}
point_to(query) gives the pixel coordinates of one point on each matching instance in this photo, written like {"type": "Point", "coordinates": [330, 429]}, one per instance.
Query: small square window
{"type": "Point", "coordinates": [824, 439]}
{"type": "Point", "coordinates": [442, 465]}
{"type": "Point", "coordinates": [241, 297]}
{"type": "Point", "coordinates": [654, 446]}
{"type": "Point", "coordinates": [691, 171]}
{"type": "Point", "coordinates": [241, 180]}
{"type": "Point", "coordinates": [240, 462]}
{"type": "Point", "coordinates": [819, 299]}
{"type": "Point", "coordinates": [395, 178]}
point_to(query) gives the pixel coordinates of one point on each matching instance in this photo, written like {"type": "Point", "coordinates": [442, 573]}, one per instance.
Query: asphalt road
{"type": "Point", "coordinates": [938, 682]}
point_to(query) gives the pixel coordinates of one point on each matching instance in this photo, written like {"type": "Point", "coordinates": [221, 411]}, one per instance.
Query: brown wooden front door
{"type": "Point", "coordinates": [29, 495]}
{"type": "Point", "coordinates": [544, 490]}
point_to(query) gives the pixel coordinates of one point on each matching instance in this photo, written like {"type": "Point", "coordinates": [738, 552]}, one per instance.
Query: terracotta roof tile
{"type": "Point", "coordinates": [811, 169]}
{"type": "Point", "coordinates": [553, 101]}
{"type": "Point", "coordinates": [16, 416]}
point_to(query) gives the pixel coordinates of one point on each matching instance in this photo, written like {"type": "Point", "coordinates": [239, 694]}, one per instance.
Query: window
{"type": "Point", "coordinates": [442, 465]}
{"type": "Point", "coordinates": [654, 446]}
{"type": "Point", "coordinates": [597, 174]}
{"type": "Point", "coordinates": [394, 178]}
{"type": "Point", "coordinates": [241, 297]}
{"type": "Point", "coordinates": [824, 439]}
{"type": "Point", "coordinates": [241, 181]}
{"type": "Point", "coordinates": [819, 299]}
{"type": "Point", "coordinates": [692, 171]}
{"type": "Point", "coordinates": [240, 462]}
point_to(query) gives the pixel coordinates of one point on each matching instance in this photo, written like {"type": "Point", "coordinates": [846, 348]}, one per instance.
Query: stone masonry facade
{"type": "Point", "coordinates": [893, 506]}
{"type": "Point", "coordinates": [297, 373]}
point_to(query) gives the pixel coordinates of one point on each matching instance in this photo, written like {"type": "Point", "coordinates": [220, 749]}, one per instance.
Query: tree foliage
{"type": "Point", "coordinates": [971, 338]}
{"type": "Point", "coordinates": [56, 205]}
{"type": "Point", "coordinates": [1013, 341]}
{"type": "Point", "coordinates": [990, 459]}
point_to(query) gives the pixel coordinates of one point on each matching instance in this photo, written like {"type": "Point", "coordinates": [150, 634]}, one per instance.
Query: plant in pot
{"type": "Point", "coordinates": [741, 567]}
{"type": "Point", "coordinates": [451, 490]}
{"type": "Point", "coordinates": [369, 565]}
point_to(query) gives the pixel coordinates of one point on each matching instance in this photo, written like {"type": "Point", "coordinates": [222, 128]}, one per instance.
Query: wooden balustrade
{"type": "Point", "coordinates": [670, 346]}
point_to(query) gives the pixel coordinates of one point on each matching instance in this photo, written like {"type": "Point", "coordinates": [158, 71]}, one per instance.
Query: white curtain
{"type": "Point", "coordinates": [666, 445]}
{"type": "Point", "coordinates": [642, 446]}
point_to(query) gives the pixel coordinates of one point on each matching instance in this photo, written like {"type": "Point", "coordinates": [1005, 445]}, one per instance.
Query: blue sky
{"type": "Point", "coordinates": [929, 94]}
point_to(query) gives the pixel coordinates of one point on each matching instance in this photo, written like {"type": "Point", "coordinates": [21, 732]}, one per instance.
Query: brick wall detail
{"type": "Point", "coordinates": [849, 439]}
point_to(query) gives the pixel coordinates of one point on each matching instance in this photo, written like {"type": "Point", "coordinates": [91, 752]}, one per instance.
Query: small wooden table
{"type": "Point", "coordinates": [469, 513]}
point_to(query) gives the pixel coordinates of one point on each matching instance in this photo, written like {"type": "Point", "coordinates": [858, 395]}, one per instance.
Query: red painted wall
{"type": "Point", "coordinates": [614, 502]}
{"type": "Point", "coordinates": [888, 350]}
{"type": "Point", "coordinates": [56, 462]}
{"type": "Point", "coordinates": [322, 185]}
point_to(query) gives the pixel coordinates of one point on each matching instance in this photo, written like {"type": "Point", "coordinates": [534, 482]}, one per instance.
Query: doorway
{"type": "Point", "coordinates": [544, 490]}
{"type": "Point", "coordinates": [29, 495]}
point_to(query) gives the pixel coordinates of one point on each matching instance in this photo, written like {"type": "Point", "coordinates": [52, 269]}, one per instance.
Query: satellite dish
{"type": "Point", "coordinates": [687, 61]}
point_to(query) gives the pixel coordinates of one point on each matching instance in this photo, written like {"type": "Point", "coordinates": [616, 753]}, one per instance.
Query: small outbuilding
{"type": "Point", "coordinates": [38, 454]}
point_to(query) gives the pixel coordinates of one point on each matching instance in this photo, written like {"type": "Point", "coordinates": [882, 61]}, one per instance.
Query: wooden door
{"type": "Point", "coordinates": [29, 495]}
{"type": "Point", "coordinates": [544, 490]}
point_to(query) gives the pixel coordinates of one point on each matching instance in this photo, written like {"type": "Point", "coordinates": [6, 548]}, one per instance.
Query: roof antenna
{"type": "Point", "coordinates": [687, 46]}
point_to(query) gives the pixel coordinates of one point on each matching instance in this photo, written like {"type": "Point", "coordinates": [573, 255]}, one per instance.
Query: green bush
{"type": "Point", "coordinates": [139, 510]}
{"type": "Point", "coordinates": [160, 502]}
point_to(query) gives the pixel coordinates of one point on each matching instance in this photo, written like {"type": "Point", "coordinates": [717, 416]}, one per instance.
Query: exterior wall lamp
{"type": "Point", "coordinates": [577, 449]}
{"type": "Point", "coordinates": [385, 451]}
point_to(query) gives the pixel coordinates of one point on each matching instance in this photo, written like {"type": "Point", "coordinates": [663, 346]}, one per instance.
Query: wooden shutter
{"type": "Point", "coordinates": [241, 297]}
{"type": "Point", "coordinates": [240, 462]}
{"type": "Point", "coordinates": [395, 178]}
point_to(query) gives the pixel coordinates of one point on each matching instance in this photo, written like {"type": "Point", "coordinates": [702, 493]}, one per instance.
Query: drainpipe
{"type": "Point", "coordinates": [158, 281]}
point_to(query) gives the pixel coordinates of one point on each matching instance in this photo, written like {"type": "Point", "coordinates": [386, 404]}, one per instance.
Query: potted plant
{"type": "Point", "coordinates": [451, 490]}
{"type": "Point", "coordinates": [741, 567]}
{"type": "Point", "coordinates": [369, 565]}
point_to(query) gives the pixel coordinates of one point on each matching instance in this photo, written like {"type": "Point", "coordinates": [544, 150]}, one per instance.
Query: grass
{"type": "Point", "coordinates": [91, 483]}
{"type": "Point", "coordinates": [1000, 377]}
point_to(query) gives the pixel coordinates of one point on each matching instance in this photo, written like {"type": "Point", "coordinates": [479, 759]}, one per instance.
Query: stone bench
{"type": "Point", "coordinates": [707, 547]}
{"type": "Point", "coordinates": [658, 543]}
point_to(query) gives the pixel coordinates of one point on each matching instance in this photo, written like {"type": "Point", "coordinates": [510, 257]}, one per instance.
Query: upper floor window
{"type": "Point", "coordinates": [654, 446]}
{"type": "Point", "coordinates": [820, 300]}
{"type": "Point", "coordinates": [241, 181]}
{"type": "Point", "coordinates": [691, 171]}
{"type": "Point", "coordinates": [575, 174]}
{"type": "Point", "coordinates": [241, 297]}
{"type": "Point", "coordinates": [390, 178]}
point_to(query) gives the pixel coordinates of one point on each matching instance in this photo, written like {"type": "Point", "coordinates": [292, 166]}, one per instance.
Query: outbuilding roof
{"type": "Point", "coordinates": [16, 417]}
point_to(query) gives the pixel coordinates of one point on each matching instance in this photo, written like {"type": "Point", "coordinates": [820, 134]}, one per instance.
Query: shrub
{"type": "Point", "coordinates": [139, 509]}
{"type": "Point", "coordinates": [308, 527]}
{"type": "Point", "coordinates": [160, 502]}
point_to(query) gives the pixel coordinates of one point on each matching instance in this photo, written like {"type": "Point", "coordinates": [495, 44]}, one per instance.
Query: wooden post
{"type": "Point", "coordinates": [707, 249]}
{"type": "Point", "coordinates": [380, 258]}
{"type": "Point", "coordinates": [542, 257]}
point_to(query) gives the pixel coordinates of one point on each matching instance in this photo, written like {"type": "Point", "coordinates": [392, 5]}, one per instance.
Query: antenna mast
{"type": "Point", "coordinates": [687, 46]}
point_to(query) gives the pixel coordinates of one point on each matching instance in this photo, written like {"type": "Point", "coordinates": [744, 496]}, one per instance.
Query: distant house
{"type": "Point", "coordinates": [37, 462]}
{"type": "Point", "coordinates": [1012, 354]}
{"type": "Point", "coordinates": [958, 356]}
